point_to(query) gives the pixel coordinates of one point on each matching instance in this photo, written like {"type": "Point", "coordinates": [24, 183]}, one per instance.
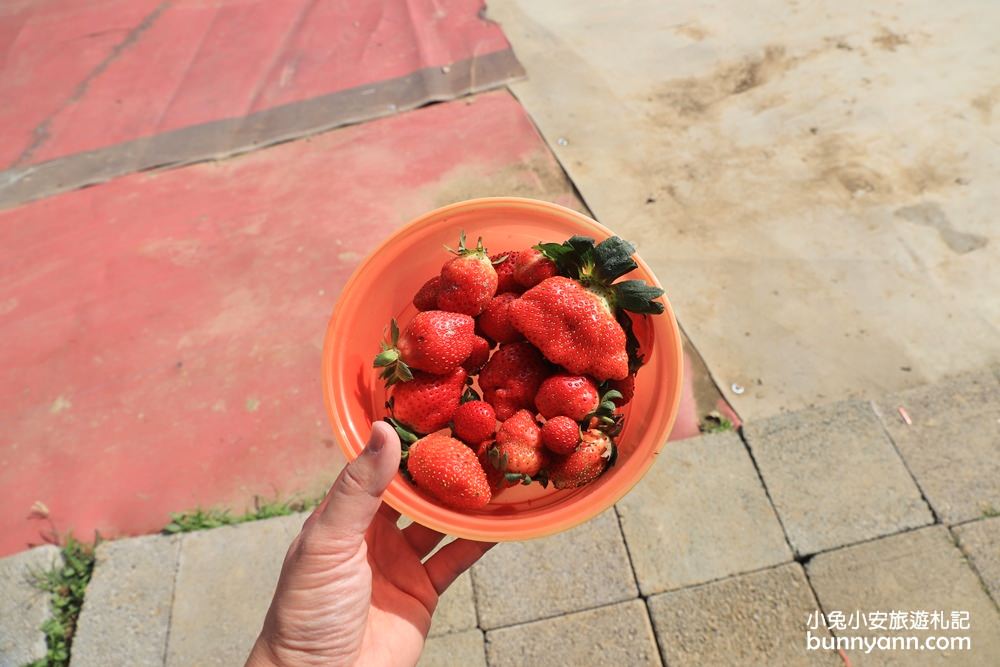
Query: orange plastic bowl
{"type": "Point", "coordinates": [382, 287]}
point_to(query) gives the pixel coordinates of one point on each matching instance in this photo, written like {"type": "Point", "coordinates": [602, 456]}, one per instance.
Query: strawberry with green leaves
{"type": "Point", "coordinates": [434, 341]}
{"type": "Point", "coordinates": [468, 281]}
{"type": "Point", "coordinates": [511, 377]}
{"type": "Point", "coordinates": [532, 267]}
{"type": "Point", "coordinates": [518, 452]}
{"type": "Point", "coordinates": [574, 320]}
{"type": "Point", "coordinates": [449, 471]}
{"type": "Point", "coordinates": [591, 457]}
{"type": "Point", "coordinates": [504, 264]}
{"type": "Point", "coordinates": [427, 402]}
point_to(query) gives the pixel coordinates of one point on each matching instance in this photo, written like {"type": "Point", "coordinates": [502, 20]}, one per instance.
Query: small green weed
{"type": "Point", "coordinates": [203, 519]}
{"type": "Point", "coordinates": [715, 423]}
{"type": "Point", "coordinates": [66, 585]}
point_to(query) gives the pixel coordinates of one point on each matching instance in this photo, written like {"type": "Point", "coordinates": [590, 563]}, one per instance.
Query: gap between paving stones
{"type": "Point", "coordinates": [906, 464]}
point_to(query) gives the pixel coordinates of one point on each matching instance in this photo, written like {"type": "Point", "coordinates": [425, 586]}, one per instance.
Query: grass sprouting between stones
{"type": "Point", "coordinates": [203, 519]}
{"type": "Point", "coordinates": [715, 423]}
{"type": "Point", "coordinates": [66, 584]}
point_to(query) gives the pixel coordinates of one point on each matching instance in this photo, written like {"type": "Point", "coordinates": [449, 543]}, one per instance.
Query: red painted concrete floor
{"type": "Point", "coordinates": [151, 65]}
{"type": "Point", "coordinates": [161, 332]}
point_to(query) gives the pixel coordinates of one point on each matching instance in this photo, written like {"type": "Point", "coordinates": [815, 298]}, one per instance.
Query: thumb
{"type": "Point", "coordinates": [356, 496]}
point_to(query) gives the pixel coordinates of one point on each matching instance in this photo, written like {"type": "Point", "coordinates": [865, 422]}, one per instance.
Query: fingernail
{"type": "Point", "coordinates": [375, 442]}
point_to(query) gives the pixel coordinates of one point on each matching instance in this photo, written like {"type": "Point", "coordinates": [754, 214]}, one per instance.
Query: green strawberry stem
{"type": "Point", "coordinates": [393, 368]}
{"type": "Point", "coordinates": [406, 436]}
{"type": "Point", "coordinates": [463, 250]}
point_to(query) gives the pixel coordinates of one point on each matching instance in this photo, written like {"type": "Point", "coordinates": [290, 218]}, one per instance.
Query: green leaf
{"type": "Point", "coordinates": [393, 332]}
{"type": "Point", "coordinates": [386, 358]}
{"type": "Point", "coordinates": [581, 245]}
{"type": "Point", "coordinates": [469, 395]}
{"type": "Point", "coordinates": [610, 395]}
{"type": "Point", "coordinates": [613, 258]}
{"type": "Point", "coordinates": [557, 252]}
{"type": "Point", "coordinates": [638, 297]}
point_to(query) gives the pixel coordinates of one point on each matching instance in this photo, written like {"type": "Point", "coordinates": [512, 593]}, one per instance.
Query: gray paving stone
{"type": "Point", "coordinates": [700, 514]}
{"type": "Point", "coordinates": [751, 619]}
{"type": "Point", "coordinates": [456, 610]}
{"type": "Point", "coordinates": [980, 540]}
{"type": "Point", "coordinates": [610, 636]}
{"type": "Point", "coordinates": [921, 570]}
{"type": "Point", "coordinates": [524, 581]}
{"type": "Point", "coordinates": [461, 649]}
{"type": "Point", "coordinates": [225, 580]}
{"type": "Point", "coordinates": [126, 612]}
{"type": "Point", "coordinates": [953, 445]}
{"type": "Point", "coordinates": [23, 608]}
{"type": "Point", "coordinates": [834, 476]}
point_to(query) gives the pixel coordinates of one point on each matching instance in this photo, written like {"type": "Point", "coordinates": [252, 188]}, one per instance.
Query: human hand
{"type": "Point", "coordinates": [353, 589]}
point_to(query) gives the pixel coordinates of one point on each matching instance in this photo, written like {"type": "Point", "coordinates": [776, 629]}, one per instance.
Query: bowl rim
{"type": "Point", "coordinates": [541, 529]}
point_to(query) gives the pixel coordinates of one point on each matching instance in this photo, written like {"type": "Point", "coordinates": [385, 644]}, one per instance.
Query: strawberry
{"type": "Point", "coordinates": [468, 281]}
{"type": "Point", "coordinates": [474, 422]}
{"type": "Point", "coordinates": [503, 263]}
{"type": "Point", "coordinates": [519, 453]}
{"type": "Point", "coordinates": [427, 402]}
{"type": "Point", "coordinates": [594, 453]}
{"type": "Point", "coordinates": [561, 435]}
{"type": "Point", "coordinates": [573, 327]}
{"type": "Point", "coordinates": [510, 378]}
{"type": "Point", "coordinates": [574, 396]}
{"type": "Point", "coordinates": [448, 470]}
{"type": "Point", "coordinates": [434, 341]}
{"type": "Point", "coordinates": [494, 321]}
{"type": "Point", "coordinates": [624, 387]}
{"type": "Point", "coordinates": [573, 320]}
{"type": "Point", "coordinates": [478, 357]}
{"type": "Point", "coordinates": [427, 296]}
{"type": "Point", "coordinates": [532, 267]}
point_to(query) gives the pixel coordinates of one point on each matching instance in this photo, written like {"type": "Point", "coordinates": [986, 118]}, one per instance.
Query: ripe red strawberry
{"type": "Point", "coordinates": [573, 327]}
{"type": "Point", "coordinates": [573, 321]}
{"type": "Point", "coordinates": [478, 357]}
{"type": "Point", "coordinates": [427, 402]}
{"type": "Point", "coordinates": [494, 322]}
{"type": "Point", "coordinates": [468, 281]}
{"type": "Point", "coordinates": [625, 387]}
{"type": "Point", "coordinates": [504, 263]}
{"type": "Point", "coordinates": [519, 450]}
{"type": "Point", "coordinates": [434, 341]}
{"type": "Point", "coordinates": [532, 267]}
{"type": "Point", "coordinates": [474, 422]}
{"type": "Point", "coordinates": [594, 453]}
{"type": "Point", "coordinates": [561, 435]}
{"type": "Point", "coordinates": [511, 377]}
{"type": "Point", "coordinates": [426, 297]}
{"type": "Point", "coordinates": [448, 470]}
{"type": "Point", "coordinates": [574, 396]}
